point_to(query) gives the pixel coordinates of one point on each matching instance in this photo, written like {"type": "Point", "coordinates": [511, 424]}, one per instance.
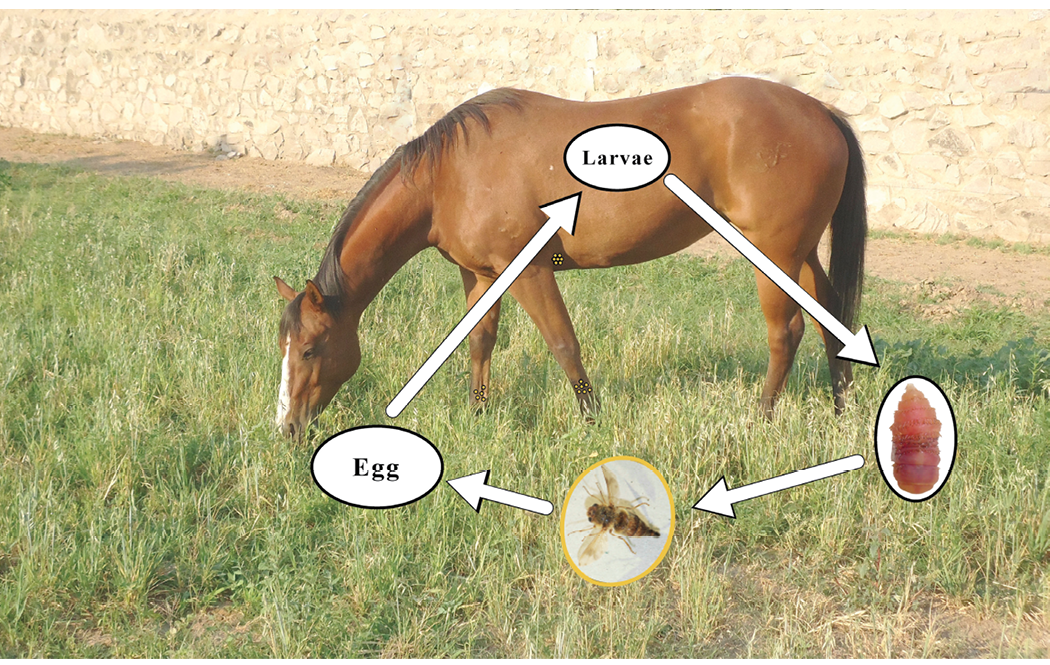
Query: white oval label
{"type": "Point", "coordinates": [617, 158]}
{"type": "Point", "coordinates": [377, 467]}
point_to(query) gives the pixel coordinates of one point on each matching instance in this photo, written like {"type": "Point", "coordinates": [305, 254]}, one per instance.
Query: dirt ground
{"type": "Point", "coordinates": [953, 275]}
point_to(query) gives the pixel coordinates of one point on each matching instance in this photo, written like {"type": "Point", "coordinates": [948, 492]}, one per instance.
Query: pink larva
{"type": "Point", "coordinates": [915, 431]}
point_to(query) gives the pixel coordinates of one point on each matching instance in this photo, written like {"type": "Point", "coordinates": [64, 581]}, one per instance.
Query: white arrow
{"type": "Point", "coordinates": [562, 214]}
{"type": "Point", "coordinates": [857, 347]}
{"type": "Point", "coordinates": [720, 499]}
{"type": "Point", "coordinates": [475, 487]}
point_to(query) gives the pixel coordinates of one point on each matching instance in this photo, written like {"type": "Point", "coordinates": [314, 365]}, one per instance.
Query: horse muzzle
{"type": "Point", "coordinates": [296, 426]}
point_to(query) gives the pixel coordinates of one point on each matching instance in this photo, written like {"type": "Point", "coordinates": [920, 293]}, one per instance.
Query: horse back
{"type": "Point", "coordinates": [768, 157]}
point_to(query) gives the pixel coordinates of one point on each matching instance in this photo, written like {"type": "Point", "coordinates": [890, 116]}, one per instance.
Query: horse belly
{"type": "Point", "coordinates": [626, 234]}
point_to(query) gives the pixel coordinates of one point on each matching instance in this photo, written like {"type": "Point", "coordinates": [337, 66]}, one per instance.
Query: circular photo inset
{"type": "Point", "coordinates": [617, 521]}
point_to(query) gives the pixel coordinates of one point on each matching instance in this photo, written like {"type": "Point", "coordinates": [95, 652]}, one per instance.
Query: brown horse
{"type": "Point", "coordinates": [779, 164]}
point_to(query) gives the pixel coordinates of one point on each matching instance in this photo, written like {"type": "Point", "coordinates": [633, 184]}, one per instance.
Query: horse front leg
{"type": "Point", "coordinates": [482, 340]}
{"type": "Point", "coordinates": [537, 292]}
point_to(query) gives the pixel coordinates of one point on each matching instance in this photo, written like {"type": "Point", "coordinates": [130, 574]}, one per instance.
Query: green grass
{"type": "Point", "coordinates": [148, 509]}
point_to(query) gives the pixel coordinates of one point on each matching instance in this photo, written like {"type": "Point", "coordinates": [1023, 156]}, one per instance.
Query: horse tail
{"type": "Point", "coordinates": [849, 229]}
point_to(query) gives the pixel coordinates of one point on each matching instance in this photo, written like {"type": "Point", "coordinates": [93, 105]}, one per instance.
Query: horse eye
{"type": "Point", "coordinates": [307, 354]}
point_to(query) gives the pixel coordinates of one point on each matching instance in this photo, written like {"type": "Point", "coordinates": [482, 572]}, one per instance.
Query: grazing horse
{"type": "Point", "coordinates": [779, 164]}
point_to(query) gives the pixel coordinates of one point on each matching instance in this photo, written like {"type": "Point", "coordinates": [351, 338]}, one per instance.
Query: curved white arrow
{"type": "Point", "coordinates": [562, 214]}
{"type": "Point", "coordinates": [857, 347]}
{"type": "Point", "coordinates": [720, 499]}
{"type": "Point", "coordinates": [475, 487]}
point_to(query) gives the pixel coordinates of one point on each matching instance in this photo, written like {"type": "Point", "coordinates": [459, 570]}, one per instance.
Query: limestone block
{"type": "Point", "coordinates": [990, 138]}
{"type": "Point", "coordinates": [877, 198]}
{"type": "Point", "coordinates": [979, 184]}
{"type": "Point", "coordinates": [1027, 134]}
{"type": "Point", "coordinates": [965, 98]}
{"type": "Point", "coordinates": [108, 114]}
{"type": "Point", "coordinates": [977, 166]}
{"type": "Point", "coordinates": [627, 62]}
{"type": "Point", "coordinates": [931, 163]}
{"type": "Point", "coordinates": [269, 147]}
{"type": "Point", "coordinates": [1038, 189]}
{"type": "Point", "coordinates": [1009, 164]}
{"type": "Point", "coordinates": [1037, 163]}
{"type": "Point", "coordinates": [266, 127]}
{"type": "Point", "coordinates": [871, 124]}
{"type": "Point", "coordinates": [580, 83]}
{"type": "Point", "coordinates": [729, 56]}
{"type": "Point", "coordinates": [403, 129]}
{"type": "Point", "coordinates": [913, 101]}
{"type": "Point", "coordinates": [925, 50]}
{"type": "Point", "coordinates": [953, 141]}
{"type": "Point", "coordinates": [974, 116]}
{"type": "Point", "coordinates": [933, 81]}
{"type": "Point", "coordinates": [852, 102]}
{"type": "Point", "coordinates": [969, 223]}
{"type": "Point", "coordinates": [925, 218]}
{"type": "Point", "coordinates": [892, 107]}
{"type": "Point", "coordinates": [951, 174]}
{"type": "Point", "coordinates": [760, 52]}
{"type": "Point", "coordinates": [584, 46]}
{"type": "Point", "coordinates": [891, 165]}
{"type": "Point", "coordinates": [321, 157]}
{"type": "Point", "coordinates": [911, 137]}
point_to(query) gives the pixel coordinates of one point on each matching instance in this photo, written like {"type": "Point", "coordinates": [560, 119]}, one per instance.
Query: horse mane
{"type": "Point", "coordinates": [429, 147]}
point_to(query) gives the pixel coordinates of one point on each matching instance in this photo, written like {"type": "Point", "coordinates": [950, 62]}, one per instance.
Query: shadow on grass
{"type": "Point", "coordinates": [1020, 363]}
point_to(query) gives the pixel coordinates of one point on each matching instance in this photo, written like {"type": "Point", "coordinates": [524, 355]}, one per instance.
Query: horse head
{"type": "Point", "coordinates": [320, 352]}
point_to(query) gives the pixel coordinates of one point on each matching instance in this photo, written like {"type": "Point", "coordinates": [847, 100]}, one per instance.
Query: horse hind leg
{"type": "Point", "coordinates": [482, 340]}
{"type": "Point", "coordinates": [784, 327]}
{"type": "Point", "coordinates": [537, 292]}
{"type": "Point", "coordinates": [815, 281]}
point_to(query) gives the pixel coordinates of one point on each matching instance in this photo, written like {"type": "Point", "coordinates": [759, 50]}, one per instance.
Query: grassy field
{"type": "Point", "coordinates": [148, 509]}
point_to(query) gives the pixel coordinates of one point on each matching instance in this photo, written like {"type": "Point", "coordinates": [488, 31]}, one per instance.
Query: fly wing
{"type": "Point", "coordinates": [612, 485]}
{"type": "Point", "coordinates": [594, 499]}
{"type": "Point", "coordinates": [602, 498]}
{"type": "Point", "coordinates": [593, 546]}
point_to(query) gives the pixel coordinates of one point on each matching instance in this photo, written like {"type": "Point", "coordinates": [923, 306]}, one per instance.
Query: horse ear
{"type": "Point", "coordinates": [313, 299]}
{"type": "Point", "coordinates": [287, 292]}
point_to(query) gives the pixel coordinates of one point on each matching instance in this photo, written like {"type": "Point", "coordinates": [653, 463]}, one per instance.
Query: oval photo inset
{"type": "Point", "coordinates": [617, 521]}
{"type": "Point", "coordinates": [915, 438]}
{"type": "Point", "coordinates": [377, 467]}
{"type": "Point", "coordinates": [617, 158]}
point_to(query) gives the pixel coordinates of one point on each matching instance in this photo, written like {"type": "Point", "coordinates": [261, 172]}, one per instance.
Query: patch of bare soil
{"type": "Point", "coordinates": [131, 158]}
{"type": "Point", "coordinates": [954, 276]}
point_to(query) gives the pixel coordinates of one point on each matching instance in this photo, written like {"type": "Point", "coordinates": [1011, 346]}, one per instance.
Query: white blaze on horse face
{"type": "Point", "coordinates": [284, 397]}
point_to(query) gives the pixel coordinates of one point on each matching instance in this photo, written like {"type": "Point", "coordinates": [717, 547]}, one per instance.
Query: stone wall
{"type": "Point", "coordinates": [952, 108]}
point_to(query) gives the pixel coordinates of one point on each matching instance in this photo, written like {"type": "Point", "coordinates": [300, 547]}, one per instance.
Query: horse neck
{"type": "Point", "coordinates": [391, 229]}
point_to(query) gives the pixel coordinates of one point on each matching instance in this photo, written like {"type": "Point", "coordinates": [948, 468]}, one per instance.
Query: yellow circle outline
{"type": "Point", "coordinates": [565, 508]}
